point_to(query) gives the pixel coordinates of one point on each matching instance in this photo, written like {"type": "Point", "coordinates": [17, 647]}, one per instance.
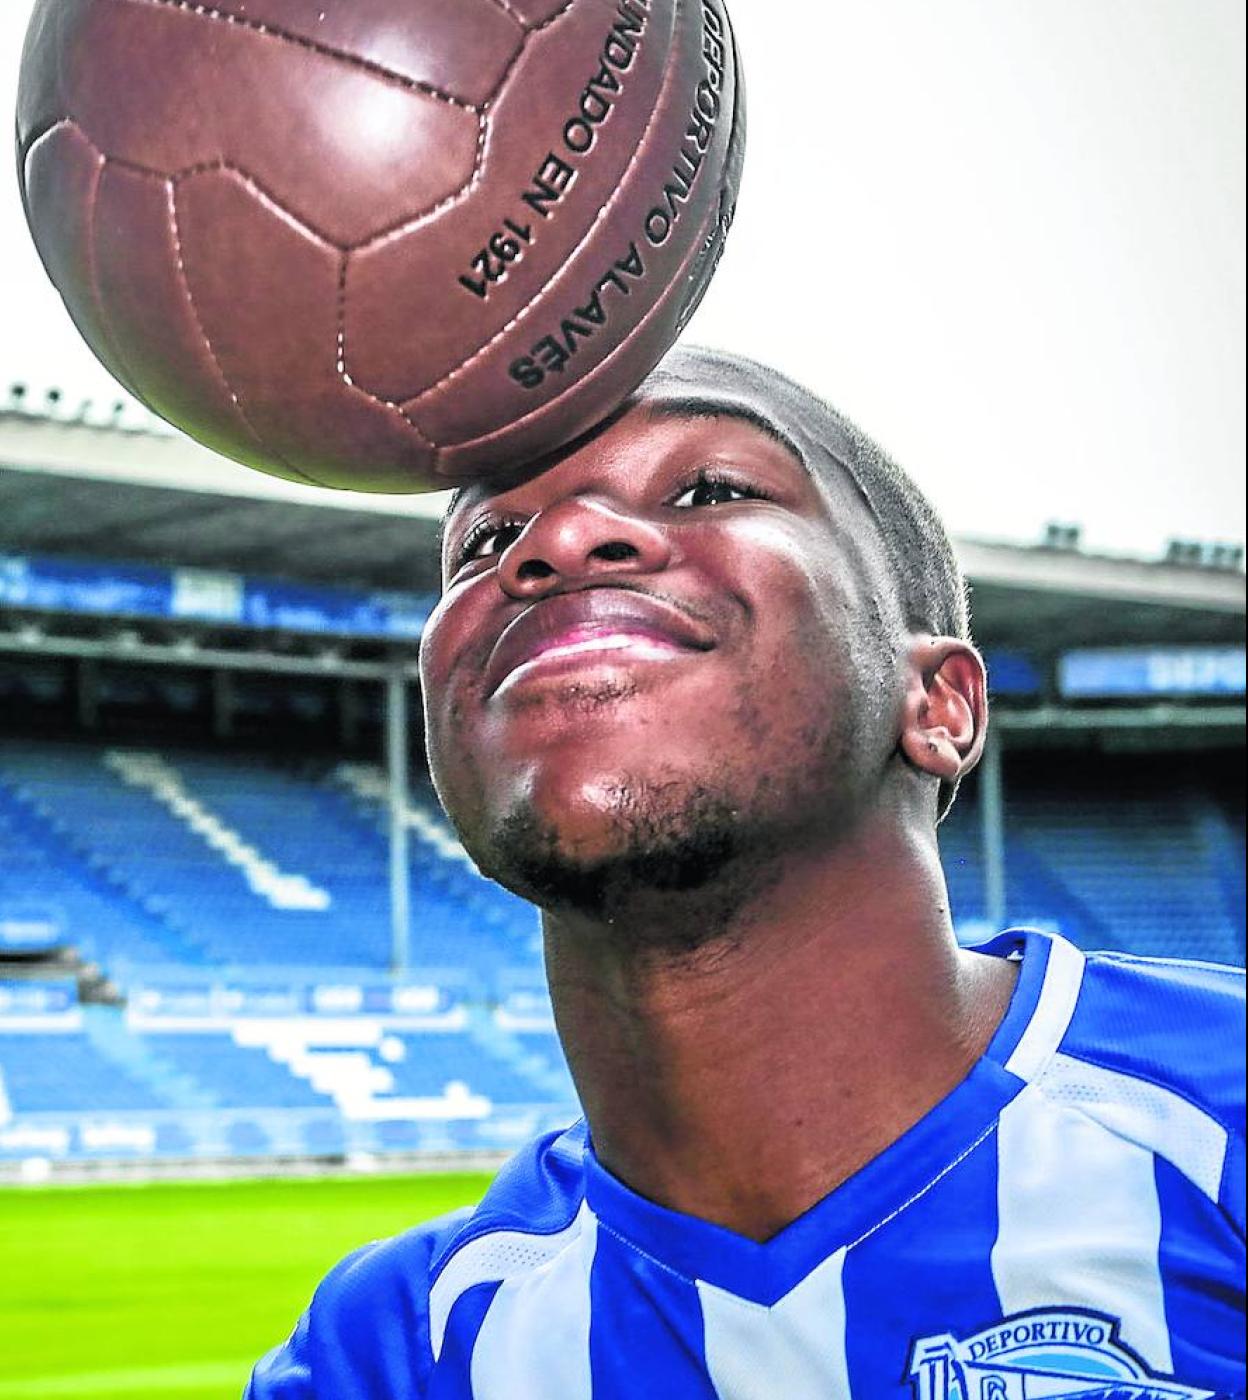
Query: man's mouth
{"type": "Point", "coordinates": [594, 627]}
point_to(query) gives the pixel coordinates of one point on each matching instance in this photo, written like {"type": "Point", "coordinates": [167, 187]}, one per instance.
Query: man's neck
{"type": "Point", "coordinates": [743, 1081]}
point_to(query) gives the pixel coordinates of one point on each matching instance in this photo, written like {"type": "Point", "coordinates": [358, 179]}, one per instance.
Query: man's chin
{"type": "Point", "coordinates": [618, 840]}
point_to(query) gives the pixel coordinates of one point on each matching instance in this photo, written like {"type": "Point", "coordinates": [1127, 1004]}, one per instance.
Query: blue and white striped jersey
{"type": "Point", "coordinates": [1068, 1222]}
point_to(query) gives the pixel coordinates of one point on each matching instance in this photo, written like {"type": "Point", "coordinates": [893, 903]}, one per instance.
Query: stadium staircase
{"type": "Point", "coordinates": [528, 1055]}
{"type": "Point", "coordinates": [279, 889]}
{"type": "Point", "coordinates": [48, 874]}
{"type": "Point", "coordinates": [136, 1060]}
{"type": "Point", "coordinates": [206, 860]}
{"type": "Point", "coordinates": [230, 1073]}
{"type": "Point", "coordinates": [240, 906]}
{"type": "Point", "coordinates": [373, 1071]}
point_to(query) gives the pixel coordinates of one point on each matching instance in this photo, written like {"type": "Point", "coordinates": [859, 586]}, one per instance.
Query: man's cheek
{"type": "Point", "coordinates": [444, 647]}
{"type": "Point", "coordinates": [807, 618]}
{"type": "Point", "coordinates": [460, 773]}
{"type": "Point", "coordinates": [430, 673]}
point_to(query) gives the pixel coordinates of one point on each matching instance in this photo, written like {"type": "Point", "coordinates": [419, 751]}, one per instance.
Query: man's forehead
{"type": "Point", "coordinates": [655, 402]}
{"type": "Point", "coordinates": [693, 384]}
{"type": "Point", "coordinates": [679, 403]}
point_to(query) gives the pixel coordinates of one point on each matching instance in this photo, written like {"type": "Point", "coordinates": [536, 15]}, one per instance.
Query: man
{"type": "Point", "coordinates": [701, 687]}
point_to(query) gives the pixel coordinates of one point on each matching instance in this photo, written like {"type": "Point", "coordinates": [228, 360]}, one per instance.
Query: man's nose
{"type": "Point", "coordinates": [578, 538]}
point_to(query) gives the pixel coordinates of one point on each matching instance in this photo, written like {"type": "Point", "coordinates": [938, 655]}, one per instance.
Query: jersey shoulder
{"type": "Point", "coordinates": [1164, 1041]}
{"type": "Point", "coordinates": [1176, 1024]}
{"type": "Point", "coordinates": [369, 1331]}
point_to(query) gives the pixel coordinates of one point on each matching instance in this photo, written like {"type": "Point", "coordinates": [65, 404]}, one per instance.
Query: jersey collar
{"type": "Point", "coordinates": [1028, 1036]}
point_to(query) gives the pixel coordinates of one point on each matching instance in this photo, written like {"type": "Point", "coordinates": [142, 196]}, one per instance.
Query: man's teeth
{"type": "Point", "coordinates": [610, 641]}
{"type": "Point", "coordinates": [638, 647]}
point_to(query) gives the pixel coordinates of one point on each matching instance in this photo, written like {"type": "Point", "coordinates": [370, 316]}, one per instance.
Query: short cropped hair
{"type": "Point", "coordinates": [930, 583]}
{"type": "Point", "coordinates": [931, 587]}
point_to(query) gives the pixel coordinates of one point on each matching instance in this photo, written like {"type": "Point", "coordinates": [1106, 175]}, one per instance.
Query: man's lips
{"type": "Point", "coordinates": [576, 629]}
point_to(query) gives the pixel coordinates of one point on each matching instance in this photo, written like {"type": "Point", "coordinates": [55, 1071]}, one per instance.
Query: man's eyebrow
{"type": "Point", "coordinates": [691, 406]}
{"type": "Point", "coordinates": [677, 406]}
{"type": "Point", "coordinates": [456, 496]}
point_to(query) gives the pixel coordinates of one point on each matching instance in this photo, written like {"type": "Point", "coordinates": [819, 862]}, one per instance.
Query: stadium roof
{"type": "Point", "coordinates": [79, 488]}
{"type": "Point", "coordinates": [73, 485]}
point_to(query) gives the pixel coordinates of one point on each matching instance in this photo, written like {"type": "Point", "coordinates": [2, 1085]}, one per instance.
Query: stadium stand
{"type": "Point", "coordinates": [1110, 852]}
{"type": "Point", "coordinates": [1115, 855]}
{"type": "Point", "coordinates": [209, 1075]}
{"type": "Point", "coordinates": [197, 959]}
{"type": "Point", "coordinates": [206, 859]}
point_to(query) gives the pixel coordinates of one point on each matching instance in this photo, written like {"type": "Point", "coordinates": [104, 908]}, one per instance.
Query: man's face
{"type": "Point", "coordinates": [670, 648]}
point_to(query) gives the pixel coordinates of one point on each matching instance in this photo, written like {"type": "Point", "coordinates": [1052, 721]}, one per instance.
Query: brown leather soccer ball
{"type": "Point", "coordinates": [380, 244]}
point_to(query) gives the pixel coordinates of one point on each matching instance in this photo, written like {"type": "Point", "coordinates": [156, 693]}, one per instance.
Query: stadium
{"type": "Point", "coordinates": [258, 1007]}
{"type": "Point", "coordinates": [239, 939]}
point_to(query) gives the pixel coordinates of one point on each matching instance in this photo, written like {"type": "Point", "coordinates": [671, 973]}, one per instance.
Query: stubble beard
{"type": "Point", "coordinates": [677, 857]}
{"type": "Point", "coordinates": [657, 841]}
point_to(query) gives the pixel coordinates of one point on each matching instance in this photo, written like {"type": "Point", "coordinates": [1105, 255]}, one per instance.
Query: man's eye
{"type": "Point", "coordinates": [489, 539]}
{"type": "Point", "coordinates": [713, 491]}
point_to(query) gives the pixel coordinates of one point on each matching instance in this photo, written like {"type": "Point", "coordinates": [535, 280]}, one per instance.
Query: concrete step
{"type": "Point", "coordinates": [108, 1033]}
{"type": "Point", "coordinates": [510, 1050]}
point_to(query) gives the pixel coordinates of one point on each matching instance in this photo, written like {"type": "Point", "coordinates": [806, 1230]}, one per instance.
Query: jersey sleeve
{"type": "Point", "coordinates": [1180, 1026]}
{"type": "Point", "coordinates": [1234, 1186]}
{"type": "Point", "coordinates": [365, 1335]}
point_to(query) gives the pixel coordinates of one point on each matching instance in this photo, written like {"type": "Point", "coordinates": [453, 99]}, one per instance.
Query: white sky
{"type": "Point", "coordinates": [1006, 236]}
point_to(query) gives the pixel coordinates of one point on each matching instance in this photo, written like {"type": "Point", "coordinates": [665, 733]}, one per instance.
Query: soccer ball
{"type": "Point", "coordinates": [382, 245]}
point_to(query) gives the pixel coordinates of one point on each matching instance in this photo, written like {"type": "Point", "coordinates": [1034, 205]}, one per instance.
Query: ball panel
{"type": "Point", "coordinates": [145, 300]}
{"type": "Point", "coordinates": [461, 49]}
{"type": "Point", "coordinates": [588, 399]}
{"type": "Point", "coordinates": [277, 340]}
{"type": "Point", "coordinates": [62, 178]}
{"type": "Point", "coordinates": [41, 99]}
{"type": "Point", "coordinates": [653, 231]}
{"type": "Point", "coordinates": [532, 13]}
{"type": "Point", "coordinates": [346, 151]}
{"type": "Point", "coordinates": [409, 319]}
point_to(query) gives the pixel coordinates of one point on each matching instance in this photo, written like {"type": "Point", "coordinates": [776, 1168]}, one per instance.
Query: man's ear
{"type": "Point", "coordinates": [945, 716]}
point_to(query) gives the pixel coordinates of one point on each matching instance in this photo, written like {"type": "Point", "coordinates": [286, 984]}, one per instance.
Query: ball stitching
{"type": "Point", "coordinates": [669, 78]}
{"type": "Point", "coordinates": [414, 221]}
{"type": "Point", "coordinates": [180, 262]}
{"type": "Point", "coordinates": [223, 16]}
{"type": "Point", "coordinates": [266, 197]}
{"type": "Point", "coordinates": [345, 375]}
{"type": "Point", "coordinates": [127, 375]}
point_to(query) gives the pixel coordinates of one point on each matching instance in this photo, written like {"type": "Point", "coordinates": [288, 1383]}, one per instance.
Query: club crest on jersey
{"type": "Point", "coordinates": [1045, 1354]}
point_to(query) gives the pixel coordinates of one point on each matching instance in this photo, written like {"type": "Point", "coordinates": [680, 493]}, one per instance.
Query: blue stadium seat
{"type": "Point", "coordinates": [136, 884]}
{"type": "Point", "coordinates": [1113, 856]}
{"type": "Point", "coordinates": [181, 877]}
{"type": "Point", "coordinates": [63, 1072]}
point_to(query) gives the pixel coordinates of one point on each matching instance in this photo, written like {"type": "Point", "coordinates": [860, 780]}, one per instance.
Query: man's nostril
{"type": "Point", "coordinates": [534, 569]}
{"type": "Point", "coordinates": [615, 551]}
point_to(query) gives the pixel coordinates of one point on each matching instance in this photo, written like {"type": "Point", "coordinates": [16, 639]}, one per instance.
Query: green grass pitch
{"type": "Point", "coordinates": [171, 1291]}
